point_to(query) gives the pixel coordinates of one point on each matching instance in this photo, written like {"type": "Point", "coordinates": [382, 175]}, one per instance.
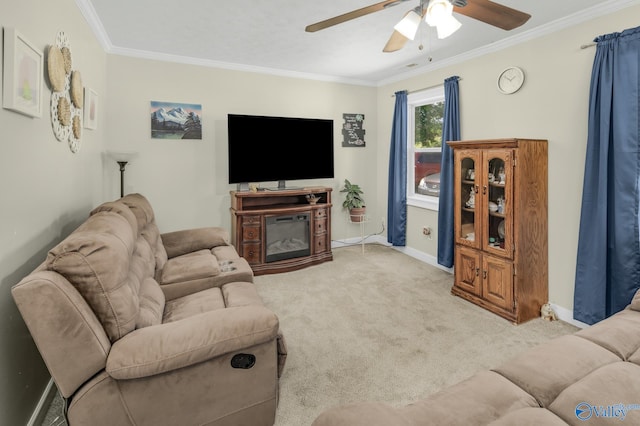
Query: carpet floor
{"type": "Point", "coordinates": [378, 326]}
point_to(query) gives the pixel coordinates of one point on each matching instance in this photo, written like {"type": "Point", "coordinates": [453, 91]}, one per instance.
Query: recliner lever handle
{"type": "Point", "coordinates": [243, 361]}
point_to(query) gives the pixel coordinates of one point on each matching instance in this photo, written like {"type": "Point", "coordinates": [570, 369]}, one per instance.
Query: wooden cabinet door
{"type": "Point", "coordinates": [497, 282]}
{"type": "Point", "coordinates": [497, 191]}
{"type": "Point", "coordinates": [467, 202]}
{"type": "Point", "coordinates": [467, 276]}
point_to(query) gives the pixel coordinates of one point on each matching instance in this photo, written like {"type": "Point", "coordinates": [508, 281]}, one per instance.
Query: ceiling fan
{"type": "Point", "coordinates": [436, 13]}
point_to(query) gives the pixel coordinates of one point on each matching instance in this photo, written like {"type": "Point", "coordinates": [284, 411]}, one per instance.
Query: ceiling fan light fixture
{"type": "Point", "coordinates": [440, 15]}
{"type": "Point", "coordinates": [437, 11]}
{"type": "Point", "coordinates": [408, 26]}
{"type": "Point", "coordinates": [447, 27]}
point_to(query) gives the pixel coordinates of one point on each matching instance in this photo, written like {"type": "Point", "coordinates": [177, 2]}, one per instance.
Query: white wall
{"type": "Point", "coordinates": [186, 181]}
{"type": "Point", "coordinates": [46, 191]}
{"type": "Point", "coordinates": [552, 104]}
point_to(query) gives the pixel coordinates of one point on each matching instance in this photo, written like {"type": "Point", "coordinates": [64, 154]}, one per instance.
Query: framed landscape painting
{"type": "Point", "coordinates": [23, 75]}
{"type": "Point", "coordinates": [171, 120]}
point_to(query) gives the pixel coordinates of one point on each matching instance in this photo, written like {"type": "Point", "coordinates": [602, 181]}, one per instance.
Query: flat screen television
{"type": "Point", "coordinates": [266, 149]}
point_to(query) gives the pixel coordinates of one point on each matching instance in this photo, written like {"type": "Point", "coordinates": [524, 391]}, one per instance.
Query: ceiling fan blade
{"type": "Point", "coordinates": [493, 14]}
{"type": "Point", "coordinates": [395, 43]}
{"type": "Point", "coordinates": [351, 15]}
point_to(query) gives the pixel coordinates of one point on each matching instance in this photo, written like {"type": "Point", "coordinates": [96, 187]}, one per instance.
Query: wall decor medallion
{"type": "Point", "coordinates": [67, 96]}
{"type": "Point", "coordinates": [22, 79]}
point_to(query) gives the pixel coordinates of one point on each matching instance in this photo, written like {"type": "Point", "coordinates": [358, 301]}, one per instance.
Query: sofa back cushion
{"type": "Point", "coordinates": [152, 303]}
{"type": "Point", "coordinates": [147, 227]}
{"type": "Point", "coordinates": [96, 260]}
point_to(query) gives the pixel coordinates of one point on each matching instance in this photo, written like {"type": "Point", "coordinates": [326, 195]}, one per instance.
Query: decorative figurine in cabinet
{"type": "Point", "coordinates": [500, 215]}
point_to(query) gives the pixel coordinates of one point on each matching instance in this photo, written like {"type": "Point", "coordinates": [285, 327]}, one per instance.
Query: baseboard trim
{"type": "Point", "coordinates": [566, 315]}
{"type": "Point", "coordinates": [40, 412]}
{"type": "Point", "coordinates": [381, 240]}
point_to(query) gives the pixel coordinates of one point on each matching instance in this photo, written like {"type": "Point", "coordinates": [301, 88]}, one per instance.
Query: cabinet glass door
{"type": "Point", "coordinates": [468, 202]}
{"type": "Point", "coordinates": [497, 189]}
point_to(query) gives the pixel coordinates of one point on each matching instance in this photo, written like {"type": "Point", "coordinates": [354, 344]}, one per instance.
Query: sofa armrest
{"type": "Point", "coordinates": [186, 241]}
{"type": "Point", "coordinates": [166, 347]}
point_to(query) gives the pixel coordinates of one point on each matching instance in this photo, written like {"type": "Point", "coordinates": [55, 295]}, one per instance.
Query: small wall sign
{"type": "Point", "coordinates": [352, 131]}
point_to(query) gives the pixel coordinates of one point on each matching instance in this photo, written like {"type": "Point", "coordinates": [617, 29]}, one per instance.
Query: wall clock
{"type": "Point", "coordinates": [510, 80]}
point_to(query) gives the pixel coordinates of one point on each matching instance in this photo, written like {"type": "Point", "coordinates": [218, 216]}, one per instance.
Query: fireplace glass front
{"type": "Point", "coordinates": [287, 237]}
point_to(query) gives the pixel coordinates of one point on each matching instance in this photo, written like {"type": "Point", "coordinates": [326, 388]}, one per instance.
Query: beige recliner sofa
{"type": "Point", "coordinates": [589, 378]}
{"type": "Point", "coordinates": [139, 328]}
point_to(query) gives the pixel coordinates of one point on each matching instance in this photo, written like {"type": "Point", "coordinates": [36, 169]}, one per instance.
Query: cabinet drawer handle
{"type": "Point", "coordinates": [476, 188]}
{"type": "Point", "coordinates": [484, 189]}
{"type": "Point", "coordinates": [484, 275]}
{"type": "Point", "coordinates": [477, 272]}
{"type": "Point", "coordinates": [251, 233]}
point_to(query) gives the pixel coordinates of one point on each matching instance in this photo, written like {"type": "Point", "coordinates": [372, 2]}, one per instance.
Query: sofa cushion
{"type": "Point", "coordinates": [196, 265]}
{"type": "Point", "coordinates": [119, 208]}
{"type": "Point", "coordinates": [549, 368]}
{"type": "Point", "coordinates": [620, 333]}
{"type": "Point", "coordinates": [147, 227]}
{"type": "Point", "coordinates": [225, 253]}
{"type": "Point", "coordinates": [190, 240]}
{"type": "Point", "coordinates": [95, 259]}
{"type": "Point", "coordinates": [529, 416]}
{"type": "Point", "coordinates": [151, 303]}
{"type": "Point", "coordinates": [613, 385]}
{"type": "Point", "coordinates": [477, 400]}
{"type": "Point", "coordinates": [193, 304]}
{"type": "Point", "coordinates": [241, 294]}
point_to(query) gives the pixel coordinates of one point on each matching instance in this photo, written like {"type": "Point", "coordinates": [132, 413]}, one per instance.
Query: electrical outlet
{"type": "Point", "coordinates": [426, 231]}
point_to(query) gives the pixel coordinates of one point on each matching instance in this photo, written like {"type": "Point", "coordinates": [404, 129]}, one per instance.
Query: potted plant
{"type": "Point", "coordinates": [353, 201]}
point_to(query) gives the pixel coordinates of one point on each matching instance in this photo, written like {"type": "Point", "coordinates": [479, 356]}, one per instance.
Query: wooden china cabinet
{"type": "Point", "coordinates": [500, 213]}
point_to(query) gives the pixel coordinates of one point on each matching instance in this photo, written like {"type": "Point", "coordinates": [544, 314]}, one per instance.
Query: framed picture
{"type": "Point", "coordinates": [23, 75]}
{"type": "Point", "coordinates": [172, 120]}
{"type": "Point", "coordinates": [90, 109]}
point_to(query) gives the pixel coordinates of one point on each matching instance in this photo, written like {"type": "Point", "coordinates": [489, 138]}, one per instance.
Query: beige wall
{"type": "Point", "coordinates": [46, 191]}
{"type": "Point", "coordinates": [552, 104]}
{"type": "Point", "coordinates": [186, 181]}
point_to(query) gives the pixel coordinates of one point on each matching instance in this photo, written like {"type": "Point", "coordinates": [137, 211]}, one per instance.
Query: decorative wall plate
{"type": "Point", "coordinates": [66, 104]}
{"type": "Point", "coordinates": [55, 68]}
{"type": "Point", "coordinates": [76, 91]}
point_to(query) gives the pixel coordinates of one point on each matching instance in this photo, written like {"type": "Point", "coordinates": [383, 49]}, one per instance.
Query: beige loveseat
{"type": "Point", "coordinates": [139, 328]}
{"type": "Point", "coordinates": [589, 378]}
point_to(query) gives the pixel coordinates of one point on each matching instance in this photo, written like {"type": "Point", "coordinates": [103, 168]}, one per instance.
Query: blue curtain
{"type": "Point", "coordinates": [450, 132]}
{"type": "Point", "coordinates": [397, 194]}
{"type": "Point", "coordinates": [608, 262]}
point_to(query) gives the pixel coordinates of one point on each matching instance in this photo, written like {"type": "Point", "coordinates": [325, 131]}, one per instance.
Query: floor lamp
{"type": "Point", "coordinates": [122, 158]}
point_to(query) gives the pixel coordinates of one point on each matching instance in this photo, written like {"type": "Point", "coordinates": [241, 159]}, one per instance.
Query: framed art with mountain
{"type": "Point", "coordinates": [171, 120]}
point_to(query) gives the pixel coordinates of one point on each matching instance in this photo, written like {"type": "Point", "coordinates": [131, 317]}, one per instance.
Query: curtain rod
{"type": "Point", "coordinates": [393, 95]}
{"type": "Point", "coordinates": [588, 45]}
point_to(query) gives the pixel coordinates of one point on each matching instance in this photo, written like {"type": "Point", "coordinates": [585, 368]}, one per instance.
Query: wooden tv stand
{"type": "Point", "coordinates": [249, 211]}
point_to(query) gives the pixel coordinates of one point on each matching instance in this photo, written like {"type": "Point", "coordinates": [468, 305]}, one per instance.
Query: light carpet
{"type": "Point", "coordinates": [382, 326]}
{"type": "Point", "coordinates": [379, 326]}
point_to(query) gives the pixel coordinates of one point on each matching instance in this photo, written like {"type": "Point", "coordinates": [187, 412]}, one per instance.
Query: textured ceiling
{"type": "Point", "coordinates": [269, 36]}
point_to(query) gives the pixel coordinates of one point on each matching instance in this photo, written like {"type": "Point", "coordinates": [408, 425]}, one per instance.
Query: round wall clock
{"type": "Point", "coordinates": [510, 80]}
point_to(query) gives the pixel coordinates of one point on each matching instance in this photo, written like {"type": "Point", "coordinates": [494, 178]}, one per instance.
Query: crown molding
{"type": "Point", "coordinates": [602, 9]}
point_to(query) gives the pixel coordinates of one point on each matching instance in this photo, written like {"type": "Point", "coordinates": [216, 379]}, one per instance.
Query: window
{"type": "Point", "coordinates": [425, 112]}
